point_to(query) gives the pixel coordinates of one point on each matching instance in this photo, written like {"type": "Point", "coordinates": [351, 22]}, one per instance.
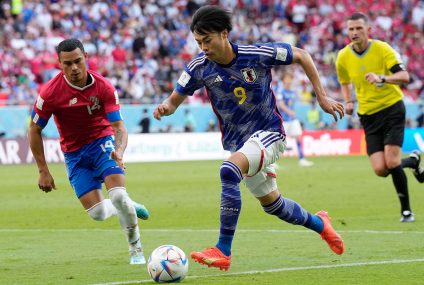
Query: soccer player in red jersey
{"type": "Point", "coordinates": [93, 139]}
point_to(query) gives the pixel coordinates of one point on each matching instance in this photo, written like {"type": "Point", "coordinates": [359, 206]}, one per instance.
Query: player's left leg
{"type": "Point", "coordinates": [107, 171]}
{"type": "Point", "coordinates": [126, 214]}
{"type": "Point", "coordinates": [292, 212]}
{"type": "Point", "coordinates": [263, 186]}
{"type": "Point", "coordinates": [392, 154]}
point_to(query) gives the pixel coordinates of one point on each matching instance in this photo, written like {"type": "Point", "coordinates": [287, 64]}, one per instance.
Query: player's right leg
{"type": "Point", "coordinates": [231, 175]}
{"type": "Point", "coordinates": [418, 170]}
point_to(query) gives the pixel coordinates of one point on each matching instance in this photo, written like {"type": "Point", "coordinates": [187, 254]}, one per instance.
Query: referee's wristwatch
{"type": "Point", "coordinates": [382, 78]}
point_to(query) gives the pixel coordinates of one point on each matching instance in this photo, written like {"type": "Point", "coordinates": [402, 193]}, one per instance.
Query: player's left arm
{"type": "Point", "coordinates": [114, 116]}
{"type": "Point", "coordinates": [329, 105]}
{"type": "Point", "coordinates": [399, 76]}
{"type": "Point", "coordinates": [394, 63]}
{"type": "Point", "coordinates": [121, 141]}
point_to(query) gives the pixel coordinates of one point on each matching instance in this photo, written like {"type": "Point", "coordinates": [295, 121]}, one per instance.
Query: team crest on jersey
{"type": "Point", "coordinates": [249, 74]}
{"type": "Point", "coordinates": [95, 106]}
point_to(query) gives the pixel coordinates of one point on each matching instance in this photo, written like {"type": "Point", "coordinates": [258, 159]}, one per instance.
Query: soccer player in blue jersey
{"type": "Point", "coordinates": [286, 98]}
{"type": "Point", "coordinates": [238, 78]}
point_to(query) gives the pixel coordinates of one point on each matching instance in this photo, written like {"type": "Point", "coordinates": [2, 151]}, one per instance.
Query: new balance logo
{"type": "Point", "coordinates": [218, 79]}
{"type": "Point", "coordinates": [73, 101]}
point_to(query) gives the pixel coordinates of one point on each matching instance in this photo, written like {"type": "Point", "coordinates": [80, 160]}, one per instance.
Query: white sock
{"type": "Point", "coordinates": [126, 213]}
{"type": "Point", "coordinates": [102, 210]}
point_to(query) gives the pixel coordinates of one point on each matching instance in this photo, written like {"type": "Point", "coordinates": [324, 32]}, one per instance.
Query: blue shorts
{"type": "Point", "coordinates": [88, 166]}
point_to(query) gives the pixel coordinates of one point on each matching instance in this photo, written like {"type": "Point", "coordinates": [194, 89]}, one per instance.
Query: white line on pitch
{"type": "Point", "coordinates": [394, 261]}
{"type": "Point", "coordinates": [6, 230]}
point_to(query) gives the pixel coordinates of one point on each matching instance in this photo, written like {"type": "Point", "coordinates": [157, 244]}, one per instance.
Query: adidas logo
{"type": "Point", "coordinates": [218, 79]}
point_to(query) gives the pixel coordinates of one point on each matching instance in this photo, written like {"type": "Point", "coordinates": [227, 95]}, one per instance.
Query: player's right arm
{"type": "Point", "coordinates": [345, 83]}
{"type": "Point", "coordinates": [169, 106]}
{"type": "Point", "coordinates": [285, 109]}
{"type": "Point", "coordinates": [45, 179]}
{"type": "Point", "coordinates": [347, 95]}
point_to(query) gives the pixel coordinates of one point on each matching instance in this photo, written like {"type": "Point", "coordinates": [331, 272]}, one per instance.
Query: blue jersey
{"type": "Point", "coordinates": [289, 98]}
{"type": "Point", "coordinates": [240, 92]}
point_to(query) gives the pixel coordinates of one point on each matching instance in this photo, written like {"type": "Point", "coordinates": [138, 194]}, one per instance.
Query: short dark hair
{"type": "Point", "coordinates": [69, 45]}
{"type": "Point", "coordinates": [211, 19]}
{"type": "Point", "coordinates": [358, 16]}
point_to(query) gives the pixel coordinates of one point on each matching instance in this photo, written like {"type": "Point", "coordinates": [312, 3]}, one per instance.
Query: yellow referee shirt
{"type": "Point", "coordinates": [378, 58]}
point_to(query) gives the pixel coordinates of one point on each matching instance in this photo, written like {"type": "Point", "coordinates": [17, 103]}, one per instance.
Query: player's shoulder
{"type": "Point", "coordinates": [257, 49]}
{"type": "Point", "coordinates": [346, 50]}
{"type": "Point", "coordinates": [102, 82]}
{"type": "Point", "coordinates": [100, 79]}
{"type": "Point", "coordinates": [52, 86]}
{"type": "Point", "coordinates": [197, 62]}
{"type": "Point", "coordinates": [381, 44]}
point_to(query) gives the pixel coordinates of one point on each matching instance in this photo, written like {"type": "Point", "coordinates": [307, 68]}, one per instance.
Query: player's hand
{"type": "Point", "coordinates": [118, 158]}
{"type": "Point", "coordinates": [332, 107]}
{"type": "Point", "coordinates": [349, 108]}
{"type": "Point", "coordinates": [46, 182]}
{"type": "Point", "coordinates": [372, 78]}
{"type": "Point", "coordinates": [161, 110]}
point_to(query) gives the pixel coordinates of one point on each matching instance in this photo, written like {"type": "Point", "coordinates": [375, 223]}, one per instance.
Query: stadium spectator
{"type": "Point", "coordinates": [189, 122]}
{"type": "Point", "coordinates": [86, 110]}
{"type": "Point", "coordinates": [146, 29]}
{"type": "Point", "coordinates": [314, 116]}
{"type": "Point", "coordinates": [238, 77]}
{"type": "Point", "coordinates": [420, 117]}
{"type": "Point", "coordinates": [286, 98]}
{"type": "Point", "coordinates": [145, 122]}
{"type": "Point", "coordinates": [376, 71]}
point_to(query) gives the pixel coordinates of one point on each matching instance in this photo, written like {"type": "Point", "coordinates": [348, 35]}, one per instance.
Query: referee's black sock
{"type": "Point", "coordinates": [409, 162]}
{"type": "Point", "coordinates": [401, 184]}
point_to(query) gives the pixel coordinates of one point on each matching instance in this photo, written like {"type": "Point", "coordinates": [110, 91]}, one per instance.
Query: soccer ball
{"type": "Point", "coordinates": [167, 264]}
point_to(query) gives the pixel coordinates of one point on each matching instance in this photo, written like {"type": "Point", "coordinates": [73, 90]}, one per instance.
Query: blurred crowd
{"type": "Point", "coordinates": [142, 45]}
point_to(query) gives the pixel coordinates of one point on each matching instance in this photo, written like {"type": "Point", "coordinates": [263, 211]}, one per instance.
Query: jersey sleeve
{"type": "Point", "coordinates": [391, 57]}
{"type": "Point", "coordinates": [275, 53]}
{"type": "Point", "coordinates": [42, 111]}
{"type": "Point", "coordinates": [342, 73]}
{"type": "Point", "coordinates": [188, 82]}
{"type": "Point", "coordinates": [111, 104]}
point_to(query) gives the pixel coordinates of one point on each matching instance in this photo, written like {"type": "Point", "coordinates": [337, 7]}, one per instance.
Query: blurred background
{"type": "Point", "coordinates": [141, 47]}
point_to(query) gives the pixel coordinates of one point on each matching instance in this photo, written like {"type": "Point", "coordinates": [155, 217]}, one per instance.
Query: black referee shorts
{"type": "Point", "coordinates": [385, 127]}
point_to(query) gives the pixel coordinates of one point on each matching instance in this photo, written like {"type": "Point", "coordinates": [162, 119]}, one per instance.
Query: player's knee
{"type": "Point", "coordinates": [230, 172]}
{"type": "Point", "coordinates": [382, 172]}
{"type": "Point", "coordinates": [99, 212]}
{"type": "Point", "coordinates": [119, 197]}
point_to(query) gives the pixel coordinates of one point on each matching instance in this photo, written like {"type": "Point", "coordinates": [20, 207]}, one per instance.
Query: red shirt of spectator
{"type": "Point", "coordinates": [119, 54]}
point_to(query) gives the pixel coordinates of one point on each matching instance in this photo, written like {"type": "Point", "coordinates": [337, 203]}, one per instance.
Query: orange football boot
{"type": "Point", "coordinates": [333, 239]}
{"type": "Point", "coordinates": [212, 257]}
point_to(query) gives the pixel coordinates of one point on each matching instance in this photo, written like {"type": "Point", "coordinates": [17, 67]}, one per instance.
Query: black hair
{"type": "Point", "coordinates": [358, 16]}
{"type": "Point", "coordinates": [211, 19]}
{"type": "Point", "coordinates": [69, 45]}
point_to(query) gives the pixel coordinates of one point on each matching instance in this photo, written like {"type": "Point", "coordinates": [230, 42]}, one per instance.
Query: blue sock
{"type": "Point", "coordinates": [299, 149]}
{"type": "Point", "coordinates": [291, 212]}
{"type": "Point", "coordinates": [230, 205]}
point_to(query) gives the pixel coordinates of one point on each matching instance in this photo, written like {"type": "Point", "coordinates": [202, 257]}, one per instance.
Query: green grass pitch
{"type": "Point", "coordinates": [49, 239]}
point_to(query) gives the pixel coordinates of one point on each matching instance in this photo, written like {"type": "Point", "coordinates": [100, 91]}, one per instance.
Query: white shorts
{"type": "Point", "coordinates": [293, 128]}
{"type": "Point", "coordinates": [262, 149]}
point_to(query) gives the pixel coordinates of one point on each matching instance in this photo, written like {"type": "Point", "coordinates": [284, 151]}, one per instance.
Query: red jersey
{"type": "Point", "coordinates": [80, 114]}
